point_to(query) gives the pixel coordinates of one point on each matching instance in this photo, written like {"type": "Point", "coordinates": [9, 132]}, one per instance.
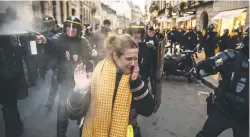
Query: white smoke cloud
{"type": "Point", "coordinates": [24, 21]}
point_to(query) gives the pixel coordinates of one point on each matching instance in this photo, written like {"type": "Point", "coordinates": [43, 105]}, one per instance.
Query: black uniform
{"type": "Point", "coordinates": [12, 82]}
{"type": "Point", "coordinates": [34, 62]}
{"type": "Point", "coordinates": [230, 108]}
{"type": "Point", "coordinates": [152, 40]}
{"type": "Point", "coordinates": [147, 61]}
{"type": "Point", "coordinates": [224, 42]}
{"type": "Point", "coordinates": [53, 63]}
{"type": "Point", "coordinates": [78, 50]}
{"type": "Point", "coordinates": [173, 37]}
{"type": "Point", "coordinates": [209, 43]}
{"type": "Point", "coordinates": [189, 40]}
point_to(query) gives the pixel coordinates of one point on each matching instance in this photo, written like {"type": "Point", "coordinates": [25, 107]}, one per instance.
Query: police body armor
{"type": "Point", "coordinates": [232, 95]}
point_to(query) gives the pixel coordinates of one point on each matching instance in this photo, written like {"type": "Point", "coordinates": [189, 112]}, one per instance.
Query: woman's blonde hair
{"type": "Point", "coordinates": [118, 44]}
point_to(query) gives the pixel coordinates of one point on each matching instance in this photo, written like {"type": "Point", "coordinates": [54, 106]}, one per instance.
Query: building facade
{"type": "Point", "coordinates": [136, 13]}
{"type": "Point", "coordinates": [191, 13]}
{"type": "Point", "coordinates": [108, 13]}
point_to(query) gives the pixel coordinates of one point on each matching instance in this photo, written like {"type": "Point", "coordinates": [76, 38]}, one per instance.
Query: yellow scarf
{"type": "Point", "coordinates": [100, 121]}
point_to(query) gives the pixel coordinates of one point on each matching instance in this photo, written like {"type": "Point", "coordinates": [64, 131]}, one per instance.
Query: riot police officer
{"type": "Point", "coordinates": [151, 37]}
{"type": "Point", "coordinates": [172, 37]}
{"type": "Point", "coordinates": [11, 77]}
{"type": "Point", "coordinates": [190, 39]}
{"type": "Point", "coordinates": [209, 41]}
{"type": "Point", "coordinates": [147, 63]}
{"type": "Point", "coordinates": [49, 30]}
{"type": "Point", "coordinates": [229, 107]}
{"type": "Point", "coordinates": [224, 42]}
{"type": "Point", "coordinates": [236, 37]}
{"type": "Point", "coordinates": [71, 49]}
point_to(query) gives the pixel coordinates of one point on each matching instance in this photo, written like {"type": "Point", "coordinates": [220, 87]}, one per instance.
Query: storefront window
{"type": "Point", "coordinates": [240, 21]}
{"type": "Point", "coordinates": [193, 22]}
{"type": "Point", "coordinates": [233, 23]}
{"type": "Point", "coordinates": [227, 24]}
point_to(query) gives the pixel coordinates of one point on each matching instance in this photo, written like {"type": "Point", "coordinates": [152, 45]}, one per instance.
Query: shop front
{"type": "Point", "coordinates": [186, 22]}
{"type": "Point", "coordinates": [230, 20]}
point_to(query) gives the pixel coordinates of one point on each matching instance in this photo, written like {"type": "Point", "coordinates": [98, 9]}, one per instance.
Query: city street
{"type": "Point", "coordinates": [181, 114]}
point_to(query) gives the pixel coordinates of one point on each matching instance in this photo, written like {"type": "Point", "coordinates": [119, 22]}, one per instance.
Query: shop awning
{"type": "Point", "coordinates": [184, 18]}
{"type": "Point", "coordinates": [228, 14]}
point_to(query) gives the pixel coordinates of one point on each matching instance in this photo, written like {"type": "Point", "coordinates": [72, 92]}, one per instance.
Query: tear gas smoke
{"type": "Point", "coordinates": [18, 17]}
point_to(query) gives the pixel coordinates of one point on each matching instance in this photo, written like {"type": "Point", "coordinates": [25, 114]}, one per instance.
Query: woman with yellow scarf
{"type": "Point", "coordinates": [108, 97]}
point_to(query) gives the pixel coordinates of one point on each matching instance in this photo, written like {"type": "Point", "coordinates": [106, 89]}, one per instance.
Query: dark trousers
{"type": "Point", "coordinates": [63, 116]}
{"type": "Point", "coordinates": [8, 99]}
{"type": "Point", "coordinates": [218, 122]}
{"type": "Point", "coordinates": [209, 53]}
{"type": "Point", "coordinates": [55, 82]}
{"type": "Point", "coordinates": [35, 63]}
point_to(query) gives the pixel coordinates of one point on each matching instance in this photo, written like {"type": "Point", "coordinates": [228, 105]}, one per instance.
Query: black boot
{"type": "Point", "coordinates": [62, 120]}
{"type": "Point", "coordinates": [13, 123]}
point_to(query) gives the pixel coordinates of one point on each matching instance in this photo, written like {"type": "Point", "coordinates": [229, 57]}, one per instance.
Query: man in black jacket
{"type": "Point", "coordinates": [12, 82]}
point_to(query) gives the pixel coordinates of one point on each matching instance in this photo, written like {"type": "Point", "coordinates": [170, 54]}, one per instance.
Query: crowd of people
{"type": "Point", "coordinates": [104, 77]}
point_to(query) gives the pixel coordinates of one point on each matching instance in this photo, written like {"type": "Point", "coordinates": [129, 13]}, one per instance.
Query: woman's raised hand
{"type": "Point", "coordinates": [82, 78]}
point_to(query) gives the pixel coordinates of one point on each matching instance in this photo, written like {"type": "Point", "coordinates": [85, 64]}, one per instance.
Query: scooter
{"type": "Point", "coordinates": [181, 65]}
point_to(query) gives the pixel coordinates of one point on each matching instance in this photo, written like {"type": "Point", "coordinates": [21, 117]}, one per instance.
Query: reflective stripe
{"type": "Point", "coordinates": [142, 96]}
{"type": "Point", "coordinates": [137, 27]}
{"type": "Point", "coordinates": [73, 22]}
{"type": "Point", "coordinates": [138, 88]}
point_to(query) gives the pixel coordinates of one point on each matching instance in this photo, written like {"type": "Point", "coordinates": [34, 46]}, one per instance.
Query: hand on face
{"type": "Point", "coordinates": [135, 71]}
{"type": "Point", "coordinates": [82, 78]}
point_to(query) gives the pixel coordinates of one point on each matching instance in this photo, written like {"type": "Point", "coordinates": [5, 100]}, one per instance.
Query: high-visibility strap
{"type": "Point", "coordinates": [137, 27]}
{"type": "Point", "coordinates": [73, 22]}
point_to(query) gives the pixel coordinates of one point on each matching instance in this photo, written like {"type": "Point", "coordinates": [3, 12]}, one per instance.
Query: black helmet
{"type": "Point", "coordinates": [137, 26]}
{"type": "Point", "coordinates": [48, 20]}
{"type": "Point", "coordinates": [74, 21]}
{"type": "Point", "coordinates": [226, 31]}
{"type": "Point", "coordinates": [244, 45]}
{"type": "Point", "coordinates": [211, 26]}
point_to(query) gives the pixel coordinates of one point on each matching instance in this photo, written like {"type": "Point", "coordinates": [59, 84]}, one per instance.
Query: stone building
{"type": "Point", "coordinates": [108, 13]}
{"type": "Point", "coordinates": [87, 10]}
{"type": "Point", "coordinates": [123, 21]}
{"type": "Point", "coordinates": [136, 13]}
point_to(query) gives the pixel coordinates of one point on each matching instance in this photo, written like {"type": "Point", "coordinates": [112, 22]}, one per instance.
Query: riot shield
{"type": "Point", "coordinates": [159, 71]}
